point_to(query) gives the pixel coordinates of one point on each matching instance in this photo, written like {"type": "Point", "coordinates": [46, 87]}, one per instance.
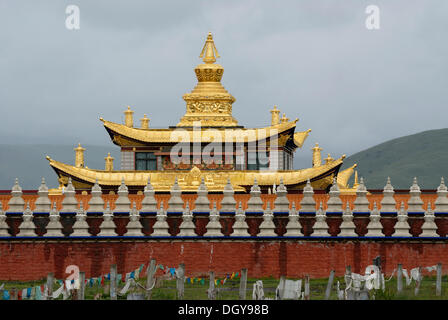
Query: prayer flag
{"type": "Point", "coordinates": [202, 281]}
{"type": "Point", "coordinates": [132, 276]}
{"type": "Point", "coordinates": [118, 278]}
{"type": "Point", "coordinates": [28, 293]}
{"type": "Point", "coordinates": [38, 293]}
{"type": "Point", "coordinates": [5, 295]}
{"type": "Point", "coordinates": [108, 276]}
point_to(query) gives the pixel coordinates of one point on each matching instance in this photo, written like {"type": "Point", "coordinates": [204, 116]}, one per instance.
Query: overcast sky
{"type": "Point", "coordinates": [316, 60]}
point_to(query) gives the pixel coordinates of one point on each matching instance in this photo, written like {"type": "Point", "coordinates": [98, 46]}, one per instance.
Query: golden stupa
{"type": "Point", "coordinates": [238, 154]}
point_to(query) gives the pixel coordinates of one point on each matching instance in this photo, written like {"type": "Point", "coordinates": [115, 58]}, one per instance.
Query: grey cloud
{"type": "Point", "coordinates": [314, 59]}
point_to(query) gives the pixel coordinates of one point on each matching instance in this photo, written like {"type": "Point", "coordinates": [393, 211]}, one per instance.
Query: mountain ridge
{"type": "Point", "coordinates": [423, 155]}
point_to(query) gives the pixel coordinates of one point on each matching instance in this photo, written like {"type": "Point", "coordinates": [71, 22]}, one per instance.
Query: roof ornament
{"type": "Point", "coordinates": [209, 50]}
{"type": "Point", "coordinates": [317, 159]}
{"type": "Point", "coordinates": [79, 155]}
{"type": "Point", "coordinates": [284, 119]}
{"type": "Point", "coordinates": [275, 116]}
{"type": "Point", "coordinates": [128, 117]}
{"type": "Point", "coordinates": [145, 122]}
{"type": "Point", "coordinates": [329, 159]}
{"type": "Point", "coordinates": [109, 164]}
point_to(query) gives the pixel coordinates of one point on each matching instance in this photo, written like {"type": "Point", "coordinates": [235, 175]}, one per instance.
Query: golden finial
{"type": "Point", "coordinates": [145, 122]}
{"type": "Point", "coordinates": [284, 119]}
{"type": "Point", "coordinates": [328, 159]}
{"type": "Point", "coordinates": [317, 159]}
{"type": "Point", "coordinates": [79, 147]}
{"type": "Point", "coordinates": [109, 166]}
{"type": "Point", "coordinates": [209, 50]}
{"type": "Point", "coordinates": [79, 156]}
{"type": "Point", "coordinates": [275, 118]}
{"type": "Point", "coordinates": [128, 119]}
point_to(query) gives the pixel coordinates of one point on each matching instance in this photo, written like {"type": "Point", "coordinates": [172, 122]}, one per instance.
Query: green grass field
{"type": "Point", "coordinates": [230, 290]}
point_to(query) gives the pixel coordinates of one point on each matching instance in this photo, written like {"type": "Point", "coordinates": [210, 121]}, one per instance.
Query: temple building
{"type": "Point", "coordinates": [207, 143]}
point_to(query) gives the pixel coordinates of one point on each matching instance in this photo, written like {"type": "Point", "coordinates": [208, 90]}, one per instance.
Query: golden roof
{"type": "Point", "coordinates": [321, 177]}
{"type": "Point", "coordinates": [175, 135]}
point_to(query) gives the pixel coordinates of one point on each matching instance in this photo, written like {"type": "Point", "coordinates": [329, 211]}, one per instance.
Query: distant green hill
{"type": "Point", "coordinates": [28, 163]}
{"type": "Point", "coordinates": [423, 155]}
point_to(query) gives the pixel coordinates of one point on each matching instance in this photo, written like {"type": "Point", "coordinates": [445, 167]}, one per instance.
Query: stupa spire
{"type": "Point", "coordinates": [209, 52]}
{"type": "Point", "coordinates": [209, 102]}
